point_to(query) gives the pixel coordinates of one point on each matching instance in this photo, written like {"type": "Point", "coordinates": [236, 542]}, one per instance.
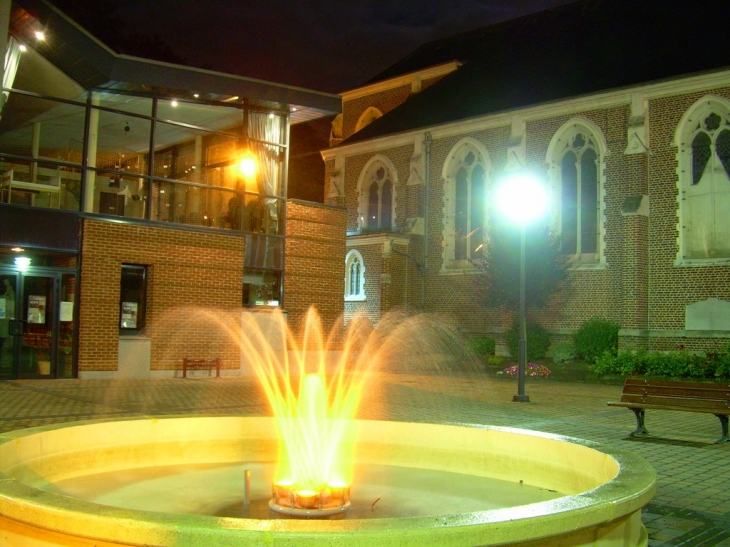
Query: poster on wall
{"type": "Point", "coordinates": [36, 309]}
{"type": "Point", "coordinates": [129, 315]}
{"type": "Point", "coordinates": [67, 311]}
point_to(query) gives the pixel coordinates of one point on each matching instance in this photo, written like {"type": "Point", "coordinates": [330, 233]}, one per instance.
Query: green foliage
{"type": "Point", "coordinates": [545, 266]}
{"type": "Point", "coordinates": [564, 352]}
{"type": "Point", "coordinates": [673, 364]}
{"type": "Point", "coordinates": [594, 338]}
{"type": "Point", "coordinates": [494, 360]}
{"type": "Point", "coordinates": [538, 340]}
{"type": "Point", "coordinates": [482, 346]}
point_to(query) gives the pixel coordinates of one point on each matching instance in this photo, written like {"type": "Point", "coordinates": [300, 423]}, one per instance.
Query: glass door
{"type": "Point", "coordinates": [8, 289]}
{"type": "Point", "coordinates": [37, 324]}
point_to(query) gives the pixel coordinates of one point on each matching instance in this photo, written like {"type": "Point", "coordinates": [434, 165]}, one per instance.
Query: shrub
{"type": "Point", "coordinates": [538, 340]}
{"type": "Point", "coordinates": [563, 352]}
{"type": "Point", "coordinates": [482, 346]}
{"type": "Point", "coordinates": [673, 364]}
{"type": "Point", "coordinates": [594, 338]}
{"type": "Point", "coordinates": [495, 361]}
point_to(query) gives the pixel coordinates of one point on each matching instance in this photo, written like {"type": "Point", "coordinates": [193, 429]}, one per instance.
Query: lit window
{"type": "Point", "coordinates": [377, 195]}
{"type": "Point", "coordinates": [354, 276]}
{"type": "Point", "coordinates": [704, 137]}
{"type": "Point", "coordinates": [465, 174]}
{"type": "Point", "coordinates": [261, 288]}
{"type": "Point", "coordinates": [133, 297]}
{"type": "Point", "coordinates": [575, 156]}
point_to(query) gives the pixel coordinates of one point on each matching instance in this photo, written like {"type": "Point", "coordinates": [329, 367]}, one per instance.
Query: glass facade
{"type": "Point", "coordinates": [147, 158]}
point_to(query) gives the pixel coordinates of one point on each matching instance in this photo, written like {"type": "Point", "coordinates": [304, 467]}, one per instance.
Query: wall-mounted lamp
{"type": "Point", "coordinates": [22, 263]}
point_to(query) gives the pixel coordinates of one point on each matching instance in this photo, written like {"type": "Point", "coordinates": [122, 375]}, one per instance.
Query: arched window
{"type": "Point", "coordinates": [465, 174]}
{"type": "Point", "coordinates": [366, 118]}
{"type": "Point", "coordinates": [576, 156]}
{"type": "Point", "coordinates": [704, 156]}
{"type": "Point", "coordinates": [377, 195]}
{"type": "Point", "coordinates": [354, 276]}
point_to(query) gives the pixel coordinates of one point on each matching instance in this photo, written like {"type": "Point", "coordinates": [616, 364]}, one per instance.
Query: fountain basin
{"type": "Point", "coordinates": [604, 488]}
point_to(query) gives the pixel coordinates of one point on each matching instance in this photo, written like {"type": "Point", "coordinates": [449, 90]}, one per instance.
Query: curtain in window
{"type": "Point", "coordinates": [267, 128]}
{"type": "Point", "coordinates": [12, 59]}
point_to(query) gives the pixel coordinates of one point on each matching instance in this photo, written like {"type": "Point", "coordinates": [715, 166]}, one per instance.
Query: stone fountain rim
{"type": "Point", "coordinates": [631, 489]}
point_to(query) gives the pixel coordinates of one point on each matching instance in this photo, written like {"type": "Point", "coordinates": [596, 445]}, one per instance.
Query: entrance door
{"type": "Point", "coordinates": [38, 329]}
{"type": "Point", "coordinates": [8, 289]}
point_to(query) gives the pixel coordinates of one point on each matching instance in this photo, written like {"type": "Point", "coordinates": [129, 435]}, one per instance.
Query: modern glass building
{"type": "Point", "coordinates": [91, 136]}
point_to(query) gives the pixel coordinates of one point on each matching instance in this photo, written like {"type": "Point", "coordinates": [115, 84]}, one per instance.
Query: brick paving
{"type": "Point", "coordinates": [691, 507]}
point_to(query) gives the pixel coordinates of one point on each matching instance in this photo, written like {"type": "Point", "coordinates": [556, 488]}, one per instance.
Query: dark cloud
{"type": "Point", "coordinates": [326, 45]}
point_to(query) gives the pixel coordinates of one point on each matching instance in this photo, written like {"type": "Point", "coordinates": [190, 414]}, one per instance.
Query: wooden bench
{"type": "Point", "coordinates": [202, 364]}
{"type": "Point", "coordinates": [711, 398]}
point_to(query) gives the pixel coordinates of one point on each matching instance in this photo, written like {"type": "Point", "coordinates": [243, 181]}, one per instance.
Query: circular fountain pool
{"type": "Point", "coordinates": [179, 482]}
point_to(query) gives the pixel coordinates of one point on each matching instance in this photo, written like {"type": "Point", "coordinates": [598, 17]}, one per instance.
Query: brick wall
{"type": "Point", "coordinates": [641, 288]}
{"type": "Point", "coordinates": [187, 272]}
{"type": "Point", "coordinates": [315, 263]}
{"type": "Point", "coordinates": [673, 287]}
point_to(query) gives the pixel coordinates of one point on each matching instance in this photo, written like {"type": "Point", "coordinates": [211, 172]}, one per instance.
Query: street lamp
{"type": "Point", "coordinates": [522, 199]}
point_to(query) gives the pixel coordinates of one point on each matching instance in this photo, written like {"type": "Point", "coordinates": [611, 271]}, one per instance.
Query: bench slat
{"type": "Point", "coordinates": [689, 392]}
{"type": "Point", "coordinates": [650, 406]}
{"type": "Point", "coordinates": [675, 401]}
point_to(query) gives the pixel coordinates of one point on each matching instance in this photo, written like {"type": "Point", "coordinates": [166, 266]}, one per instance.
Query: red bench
{"type": "Point", "coordinates": [202, 364]}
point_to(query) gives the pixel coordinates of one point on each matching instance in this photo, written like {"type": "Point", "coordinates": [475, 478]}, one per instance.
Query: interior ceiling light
{"type": "Point", "coordinates": [22, 263]}
{"type": "Point", "coordinates": [271, 116]}
{"type": "Point", "coordinates": [40, 35]}
{"type": "Point", "coordinates": [196, 95]}
{"type": "Point", "coordinates": [174, 102]}
{"type": "Point", "coordinates": [17, 249]}
{"type": "Point", "coordinates": [22, 47]}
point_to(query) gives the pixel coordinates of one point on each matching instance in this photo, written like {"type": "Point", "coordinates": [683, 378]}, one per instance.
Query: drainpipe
{"type": "Point", "coordinates": [427, 205]}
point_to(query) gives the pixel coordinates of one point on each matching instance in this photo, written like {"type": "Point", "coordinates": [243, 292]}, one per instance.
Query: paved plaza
{"type": "Point", "coordinates": [691, 507]}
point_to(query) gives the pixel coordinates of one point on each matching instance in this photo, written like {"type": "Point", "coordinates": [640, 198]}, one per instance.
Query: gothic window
{"type": "Point", "coordinates": [705, 181]}
{"type": "Point", "coordinates": [354, 276]}
{"type": "Point", "coordinates": [465, 204]}
{"type": "Point", "coordinates": [376, 197]}
{"type": "Point", "coordinates": [575, 155]}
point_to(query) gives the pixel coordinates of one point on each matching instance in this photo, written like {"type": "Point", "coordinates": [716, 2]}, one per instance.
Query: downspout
{"type": "Point", "coordinates": [427, 205]}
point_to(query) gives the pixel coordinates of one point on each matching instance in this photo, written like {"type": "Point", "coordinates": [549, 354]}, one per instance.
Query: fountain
{"type": "Point", "coordinates": [222, 481]}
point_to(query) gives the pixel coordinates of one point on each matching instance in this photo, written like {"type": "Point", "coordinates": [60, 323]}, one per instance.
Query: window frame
{"type": "Point", "coordinates": [454, 162]}
{"type": "Point", "coordinates": [365, 181]}
{"type": "Point", "coordinates": [352, 258]}
{"type": "Point", "coordinates": [141, 309]}
{"type": "Point", "coordinates": [559, 147]}
{"type": "Point", "coordinates": [689, 127]}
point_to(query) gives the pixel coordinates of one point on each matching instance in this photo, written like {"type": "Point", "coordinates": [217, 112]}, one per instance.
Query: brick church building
{"type": "Point", "coordinates": [621, 108]}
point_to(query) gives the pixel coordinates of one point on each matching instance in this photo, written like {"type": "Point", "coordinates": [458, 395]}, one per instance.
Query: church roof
{"type": "Point", "coordinates": [574, 50]}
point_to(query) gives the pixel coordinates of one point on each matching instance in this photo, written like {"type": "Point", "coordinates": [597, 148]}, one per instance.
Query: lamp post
{"type": "Point", "coordinates": [522, 199]}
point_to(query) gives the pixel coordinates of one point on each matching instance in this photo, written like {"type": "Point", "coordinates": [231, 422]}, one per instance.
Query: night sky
{"type": "Point", "coordinates": [325, 45]}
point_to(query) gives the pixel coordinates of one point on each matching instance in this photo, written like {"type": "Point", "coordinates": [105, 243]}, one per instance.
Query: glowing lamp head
{"type": "Point", "coordinates": [40, 35]}
{"type": "Point", "coordinates": [521, 198]}
{"type": "Point", "coordinates": [247, 165]}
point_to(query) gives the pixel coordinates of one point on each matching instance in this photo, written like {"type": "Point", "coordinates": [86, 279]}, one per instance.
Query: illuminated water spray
{"type": "Point", "coordinates": [314, 397]}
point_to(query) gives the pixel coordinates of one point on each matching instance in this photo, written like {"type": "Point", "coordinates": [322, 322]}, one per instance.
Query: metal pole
{"type": "Point", "coordinates": [522, 360]}
{"type": "Point", "coordinates": [247, 491]}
